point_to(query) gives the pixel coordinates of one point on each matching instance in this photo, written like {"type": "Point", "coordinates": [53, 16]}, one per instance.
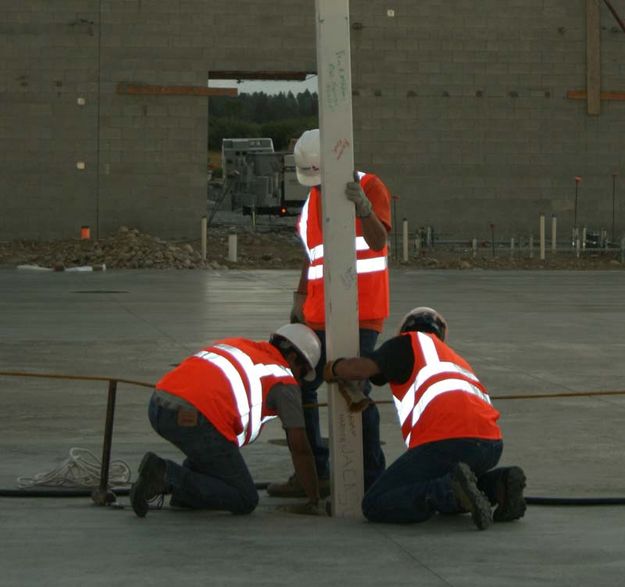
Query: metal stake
{"type": "Point", "coordinates": [405, 241]}
{"type": "Point", "coordinates": [577, 182]}
{"type": "Point", "coordinates": [203, 234]}
{"type": "Point", "coordinates": [542, 237]}
{"type": "Point", "coordinates": [395, 237]}
{"type": "Point", "coordinates": [613, 206]}
{"type": "Point", "coordinates": [103, 495]}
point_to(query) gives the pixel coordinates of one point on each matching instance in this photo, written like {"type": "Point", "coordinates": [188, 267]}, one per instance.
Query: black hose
{"type": "Point", "coordinates": [575, 500]}
{"type": "Point", "coordinates": [54, 492]}
{"type": "Point", "coordinates": [86, 492]}
{"type": "Point", "coordinates": [564, 501]}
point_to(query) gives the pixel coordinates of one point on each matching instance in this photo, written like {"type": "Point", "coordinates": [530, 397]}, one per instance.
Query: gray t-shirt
{"type": "Point", "coordinates": [286, 400]}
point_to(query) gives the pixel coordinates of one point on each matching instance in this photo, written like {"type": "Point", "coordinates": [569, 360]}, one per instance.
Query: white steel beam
{"type": "Point", "coordinates": [340, 280]}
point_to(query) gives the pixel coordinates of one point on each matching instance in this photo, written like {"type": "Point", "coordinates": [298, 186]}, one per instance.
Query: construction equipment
{"type": "Point", "coordinates": [259, 180]}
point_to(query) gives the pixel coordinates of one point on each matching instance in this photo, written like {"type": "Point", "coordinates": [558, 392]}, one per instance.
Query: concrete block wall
{"type": "Point", "coordinates": [459, 106]}
{"type": "Point", "coordinates": [462, 108]}
{"type": "Point", "coordinates": [48, 57]}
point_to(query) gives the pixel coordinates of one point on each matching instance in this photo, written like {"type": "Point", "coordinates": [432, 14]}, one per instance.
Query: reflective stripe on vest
{"type": "Point", "coordinates": [434, 366]}
{"type": "Point", "coordinates": [303, 226]}
{"type": "Point", "coordinates": [249, 402]}
{"type": "Point", "coordinates": [362, 266]}
{"type": "Point", "coordinates": [317, 252]}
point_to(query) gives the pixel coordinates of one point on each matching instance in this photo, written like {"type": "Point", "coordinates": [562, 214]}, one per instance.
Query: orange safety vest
{"type": "Point", "coordinates": [371, 266]}
{"type": "Point", "coordinates": [228, 382]}
{"type": "Point", "coordinates": [443, 398]}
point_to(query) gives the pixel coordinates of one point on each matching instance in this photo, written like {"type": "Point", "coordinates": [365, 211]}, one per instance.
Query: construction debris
{"type": "Point", "coordinates": [276, 247]}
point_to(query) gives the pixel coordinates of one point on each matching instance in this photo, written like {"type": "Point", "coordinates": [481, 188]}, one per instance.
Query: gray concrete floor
{"type": "Point", "coordinates": [523, 332]}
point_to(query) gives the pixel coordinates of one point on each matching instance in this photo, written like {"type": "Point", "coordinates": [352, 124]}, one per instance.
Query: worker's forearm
{"type": "Point", "coordinates": [304, 465]}
{"type": "Point", "coordinates": [355, 368]}
{"type": "Point", "coordinates": [302, 286]}
{"type": "Point", "coordinates": [374, 232]}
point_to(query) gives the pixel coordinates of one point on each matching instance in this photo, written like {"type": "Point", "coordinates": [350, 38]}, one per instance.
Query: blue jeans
{"type": "Point", "coordinates": [214, 474]}
{"type": "Point", "coordinates": [373, 457]}
{"type": "Point", "coordinates": [418, 483]}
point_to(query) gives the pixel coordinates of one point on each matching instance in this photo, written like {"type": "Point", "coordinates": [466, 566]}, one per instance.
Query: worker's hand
{"type": "Point", "coordinates": [353, 394]}
{"type": "Point", "coordinates": [329, 373]}
{"type": "Point", "coordinates": [297, 310]}
{"type": "Point", "coordinates": [355, 193]}
{"type": "Point", "coordinates": [319, 508]}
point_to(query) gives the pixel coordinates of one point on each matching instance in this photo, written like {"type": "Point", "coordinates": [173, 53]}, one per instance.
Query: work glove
{"type": "Point", "coordinates": [355, 193]}
{"type": "Point", "coordinates": [354, 395]}
{"type": "Point", "coordinates": [319, 508]}
{"type": "Point", "coordinates": [329, 375]}
{"type": "Point", "coordinates": [297, 310]}
{"type": "Point", "coordinates": [352, 391]}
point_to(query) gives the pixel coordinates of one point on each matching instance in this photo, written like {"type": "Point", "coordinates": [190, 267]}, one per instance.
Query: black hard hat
{"type": "Point", "coordinates": [423, 319]}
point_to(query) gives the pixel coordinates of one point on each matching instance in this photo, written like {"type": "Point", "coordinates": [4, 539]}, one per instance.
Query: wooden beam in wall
{"type": "Point", "coordinates": [298, 76]}
{"type": "Point", "coordinates": [593, 57]}
{"type": "Point", "coordinates": [607, 96]}
{"type": "Point", "coordinates": [157, 90]}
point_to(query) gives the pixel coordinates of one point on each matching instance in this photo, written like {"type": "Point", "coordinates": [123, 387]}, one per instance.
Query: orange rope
{"type": "Point", "coordinates": [506, 397]}
{"type": "Point", "coordinates": [319, 405]}
{"type": "Point", "coordinates": [74, 377]}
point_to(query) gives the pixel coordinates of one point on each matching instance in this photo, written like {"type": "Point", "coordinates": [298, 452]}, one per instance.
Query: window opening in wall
{"type": "Point", "coordinates": [251, 138]}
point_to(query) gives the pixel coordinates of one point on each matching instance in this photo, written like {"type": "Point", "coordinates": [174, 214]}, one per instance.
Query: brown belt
{"type": "Point", "coordinates": [170, 401]}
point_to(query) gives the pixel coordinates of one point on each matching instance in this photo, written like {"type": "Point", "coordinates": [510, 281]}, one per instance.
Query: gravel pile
{"type": "Point", "coordinates": [268, 247]}
{"type": "Point", "coordinates": [131, 249]}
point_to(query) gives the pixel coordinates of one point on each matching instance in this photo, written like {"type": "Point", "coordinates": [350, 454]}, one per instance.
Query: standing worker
{"type": "Point", "coordinates": [449, 427]}
{"type": "Point", "coordinates": [217, 401]}
{"type": "Point", "coordinates": [373, 223]}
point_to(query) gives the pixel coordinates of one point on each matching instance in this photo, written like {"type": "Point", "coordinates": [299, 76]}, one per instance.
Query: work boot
{"type": "Point", "coordinates": [469, 497]}
{"type": "Point", "coordinates": [293, 488]}
{"type": "Point", "coordinates": [509, 494]}
{"type": "Point", "coordinates": [152, 482]}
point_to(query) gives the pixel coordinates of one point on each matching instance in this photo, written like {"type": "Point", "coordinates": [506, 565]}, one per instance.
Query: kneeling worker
{"type": "Point", "coordinates": [449, 427]}
{"type": "Point", "coordinates": [217, 401]}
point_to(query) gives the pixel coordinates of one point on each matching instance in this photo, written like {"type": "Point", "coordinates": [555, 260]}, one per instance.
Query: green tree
{"type": "Point", "coordinates": [281, 117]}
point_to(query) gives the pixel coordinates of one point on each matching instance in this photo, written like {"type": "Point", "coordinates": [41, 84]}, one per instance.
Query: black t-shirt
{"type": "Point", "coordinates": [395, 360]}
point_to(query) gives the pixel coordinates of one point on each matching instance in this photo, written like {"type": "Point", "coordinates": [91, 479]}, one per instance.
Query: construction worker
{"type": "Point", "coordinates": [449, 426]}
{"type": "Point", "coordinates": [373, 223]}
{"type": "Point", "coordinates": [217, 401]}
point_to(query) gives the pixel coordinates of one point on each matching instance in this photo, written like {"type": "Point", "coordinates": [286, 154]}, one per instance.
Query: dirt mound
{"type": "Point", "coordinates": [562, 260]}
{"type": "Point", "coordinates": [131, 249]}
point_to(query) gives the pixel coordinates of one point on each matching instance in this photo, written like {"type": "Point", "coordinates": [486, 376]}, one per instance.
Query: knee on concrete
{"type": "Point", "coordinates": [247, 504]}
{"type": "Point", "coordinates": [368, 509]}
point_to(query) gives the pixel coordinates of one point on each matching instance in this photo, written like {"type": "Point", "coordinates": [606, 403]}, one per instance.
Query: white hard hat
{"type": "Point", "coordinates": [424, 319]}
{"type": "Point", "coordinates": [307, 155]}
{"type": "Point", "coordinates": [306, 342]}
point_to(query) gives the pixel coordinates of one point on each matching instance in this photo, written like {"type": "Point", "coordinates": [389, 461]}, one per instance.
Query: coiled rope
{"type": "Point", "coordinates": [80, 469]}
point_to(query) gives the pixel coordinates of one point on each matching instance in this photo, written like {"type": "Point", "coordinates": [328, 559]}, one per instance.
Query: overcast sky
{"type": "Point", "coordinates": [269, 87]}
